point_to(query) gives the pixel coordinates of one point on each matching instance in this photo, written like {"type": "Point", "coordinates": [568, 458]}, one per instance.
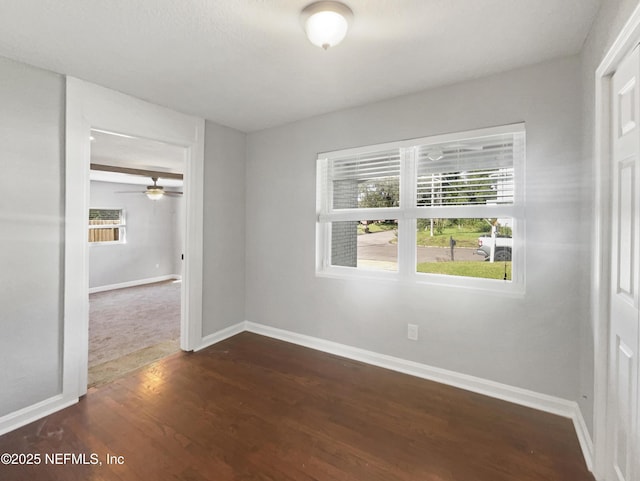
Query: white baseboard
{"type": "Point", "coordinates": [221, 335]}
{"type": "Point", "coordinates": [584, 438]}
{"type": "Point", "coordinates": [34, 412]}
{"type": "Point", "coordinates": [139, 282]}
{"type": "Point", "coordinates": [505, 392]}
{"type": "Point", "coordinates": [524, 397]}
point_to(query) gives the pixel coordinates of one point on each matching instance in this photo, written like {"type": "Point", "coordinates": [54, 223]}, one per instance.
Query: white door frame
{"type": "Point", "coordinates": [91, 106]}
{"type": "Point", "coordinates": [628, 38]}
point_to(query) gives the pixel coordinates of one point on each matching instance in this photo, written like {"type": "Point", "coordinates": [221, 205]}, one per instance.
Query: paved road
{"type": "Point", "coordinates": [378, 247]}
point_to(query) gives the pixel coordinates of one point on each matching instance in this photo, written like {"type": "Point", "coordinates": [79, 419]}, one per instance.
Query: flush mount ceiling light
{"type": "Point", "coordinates": [326, 23]}
{"type": "Point", "coordinates": [435, 154]}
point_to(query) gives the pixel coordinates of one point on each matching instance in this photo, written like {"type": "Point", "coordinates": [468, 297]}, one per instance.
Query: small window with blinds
{"type": "Point", "coordinates": [445, 209]}
{"type": "Point", "coordinates": [106, 226]}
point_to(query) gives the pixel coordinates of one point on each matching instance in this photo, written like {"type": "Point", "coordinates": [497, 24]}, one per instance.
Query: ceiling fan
{"type": "Point", "coordinates": [154, 192]}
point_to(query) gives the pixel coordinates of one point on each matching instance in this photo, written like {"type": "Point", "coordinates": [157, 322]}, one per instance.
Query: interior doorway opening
{"type": "Point", "coordinates": [136, 232]}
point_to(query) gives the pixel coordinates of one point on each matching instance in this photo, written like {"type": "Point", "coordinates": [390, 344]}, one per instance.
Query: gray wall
{"type": "Point", "coordinates": [538, 342]}
{"type": "Point", "coordinates": [611, 18]}
{"type": "Point", "coordinates": [31, 236]}
{"type": "Point", "coordinates": [224, 228]}
{"type": "Point", "coordinates": [530, 342]}
{"type": "Point", "coordinates": [153, 237]}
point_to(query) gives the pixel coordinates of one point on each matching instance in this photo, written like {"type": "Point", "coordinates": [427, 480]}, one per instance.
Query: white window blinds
{"type": "Point", "coordinates": [370, 166]}
{"type": "Point", "coordinates": [369, 180]}
{"type": "Point", "coordinates": [389, 208]}
{"type": "Point", "coordinates": [470, 172]}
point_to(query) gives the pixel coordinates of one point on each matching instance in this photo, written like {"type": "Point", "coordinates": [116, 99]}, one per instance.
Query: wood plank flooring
{"type": "Point", "coordinates": [253, 408]}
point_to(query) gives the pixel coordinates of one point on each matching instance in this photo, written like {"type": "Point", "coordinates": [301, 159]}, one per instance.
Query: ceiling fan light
{"type": "Point", "coordinates": [326, 23]}
{"type": "Point", "coordinates": [154, 194]}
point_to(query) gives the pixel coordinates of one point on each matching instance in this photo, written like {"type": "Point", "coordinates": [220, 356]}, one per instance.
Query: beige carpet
{"type": "Point", "coordinates": [129, 328]}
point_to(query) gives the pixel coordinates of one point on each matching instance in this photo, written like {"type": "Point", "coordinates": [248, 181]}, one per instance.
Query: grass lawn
{"type": "Point", "coordinates": [462, 237]}
{"type": "Point", "coordinates": [485, 270]}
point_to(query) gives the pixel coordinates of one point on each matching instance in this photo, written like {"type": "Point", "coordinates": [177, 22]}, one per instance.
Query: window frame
{"type": "Point", "coordinates": [408, 212]}
{"type": "Point", "coordinates": [121, 226]}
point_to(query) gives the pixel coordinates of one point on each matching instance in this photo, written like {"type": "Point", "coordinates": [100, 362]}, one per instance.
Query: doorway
{"type": "Point", "coordinates": [136, 240]}
{"type": "Point", "coordinates": [91, 107]}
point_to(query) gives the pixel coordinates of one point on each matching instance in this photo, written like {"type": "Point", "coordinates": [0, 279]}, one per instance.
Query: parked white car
{"type": "Point", "coordinates": [503, 246]}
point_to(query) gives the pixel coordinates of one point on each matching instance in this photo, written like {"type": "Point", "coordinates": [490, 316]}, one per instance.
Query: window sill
{"type": "Point", "coordinates": [494, 287]}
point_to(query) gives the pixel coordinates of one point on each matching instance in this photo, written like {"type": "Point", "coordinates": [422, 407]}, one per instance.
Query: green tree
{"type": "Point", "coordinates": [379, 193]}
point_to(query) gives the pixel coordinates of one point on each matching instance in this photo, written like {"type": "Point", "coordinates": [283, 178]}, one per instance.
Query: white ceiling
{"type": "Point", "coordinates": [247, 63]}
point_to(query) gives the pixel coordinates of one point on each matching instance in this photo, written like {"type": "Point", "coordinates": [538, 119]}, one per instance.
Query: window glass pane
{"type": "Point", "coordinates": [104, 235]}
{"type": "Point", "coordinates": [465, 247]}
{"type": "Point", "coordinates": [365, 244]}
{"type": "Point", "coordinates": [107, 218]}
{"type": "Point", "coordinates": [476, 187]}
{"type": "Point", "coordinates": [366, 181]}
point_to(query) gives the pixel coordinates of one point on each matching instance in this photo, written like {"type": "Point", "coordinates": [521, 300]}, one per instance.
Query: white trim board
{"type": "Point", "coordinates": [504, 392]}
{"type": "Point", "coordinates": [221, 335]}
{"type": "Point", "coordinates": [140, 282]}
{"type": "Point", "coordinates": [584, 438]}
{"type": "Point", "coordinates": [524, 397]}
{"type": "Point", "coordinates": [478, 385]}
{"type": "Point", "coordinates": [34, 412]}
{"type": "Point", "coordinates": [89, 106]}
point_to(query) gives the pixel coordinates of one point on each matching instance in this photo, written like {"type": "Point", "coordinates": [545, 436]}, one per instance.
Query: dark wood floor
{"type": "Point", "coordinates": [253, 408]}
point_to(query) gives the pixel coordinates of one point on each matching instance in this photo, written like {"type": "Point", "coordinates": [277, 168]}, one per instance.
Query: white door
{"type": "Point", "coordinates": [623, 338]}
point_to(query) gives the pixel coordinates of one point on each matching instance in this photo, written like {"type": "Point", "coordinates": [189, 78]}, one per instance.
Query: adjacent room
{"type": "Point", "coordinates": [136, 233]}
{"type": "Point", "coordinates": [336, 240]}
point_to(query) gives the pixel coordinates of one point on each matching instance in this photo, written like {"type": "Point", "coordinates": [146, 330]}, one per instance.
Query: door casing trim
{"type": "Point", "coordinates": [91, 106]}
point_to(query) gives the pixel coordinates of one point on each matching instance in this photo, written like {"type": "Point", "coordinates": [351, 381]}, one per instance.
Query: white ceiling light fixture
{"type": "Point", "coordinates": [435, 154]}
{"type": "Point", "coordinates": [326, 22]}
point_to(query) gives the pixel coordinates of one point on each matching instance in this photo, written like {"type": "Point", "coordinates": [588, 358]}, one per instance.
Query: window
{"type": "Point", "coordinates": [445, 209]}
{"type": "Point", "coordinates": [106, 226]}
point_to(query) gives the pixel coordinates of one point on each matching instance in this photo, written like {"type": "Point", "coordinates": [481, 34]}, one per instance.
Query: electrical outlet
{"type": "Point", "coordinates": [412, 332]}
